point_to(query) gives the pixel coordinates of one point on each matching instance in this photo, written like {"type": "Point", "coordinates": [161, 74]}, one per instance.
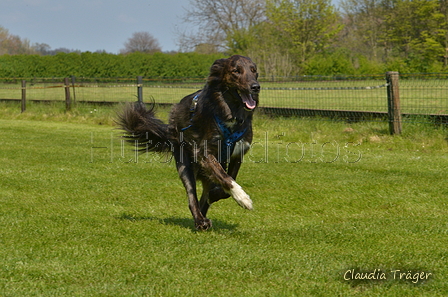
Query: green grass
{"type": "Point", "coordinates": [78, 220]}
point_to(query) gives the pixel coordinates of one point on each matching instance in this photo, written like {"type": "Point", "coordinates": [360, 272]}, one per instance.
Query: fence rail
{"type": "Point", "coordinates": [392, 97]}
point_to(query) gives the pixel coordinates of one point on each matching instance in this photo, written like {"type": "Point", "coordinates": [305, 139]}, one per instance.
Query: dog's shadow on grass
{"type": "Point", "coordinates": [186, 223]}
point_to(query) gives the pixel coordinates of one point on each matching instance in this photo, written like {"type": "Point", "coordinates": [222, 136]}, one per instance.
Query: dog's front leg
{"type": "Point", "coordinates": [186, 174]}
{"type": "Point", "coordinates": [228, 184]}
{"type": "Point", "coordinates": [216, 192]}
{"type": "Point", "coordinates": [204, 203]}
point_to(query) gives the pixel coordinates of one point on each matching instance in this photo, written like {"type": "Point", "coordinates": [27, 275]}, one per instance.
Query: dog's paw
{"type": "Point", "coordinates": [203, 225]}
{"type": "Point", "coordinates": [240, 196]}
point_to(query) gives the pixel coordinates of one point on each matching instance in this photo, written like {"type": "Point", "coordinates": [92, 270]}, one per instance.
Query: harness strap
{"type": "Point", "coordinates": [193, 106]}
{"type": "Point", "coordinates": [194, 102]}
{"type": "Point", "coordinates": [230, 139]}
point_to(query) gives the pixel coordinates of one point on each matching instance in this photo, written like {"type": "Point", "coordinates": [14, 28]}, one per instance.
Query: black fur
{"type": "Point", "coordinates": [196, 138]}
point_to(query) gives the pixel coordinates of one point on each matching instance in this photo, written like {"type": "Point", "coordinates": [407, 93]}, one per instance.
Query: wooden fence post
{"type": "Point", "coordinates": [73, 86]}
{"type": "Point", "coordinates": [23, 95]}
{"type": "Point", "coordinates": [393, 102]}
{"type": "Point", "coordinates": [68, 101]}
{"type": "Point", "coordinates": [140, 89]}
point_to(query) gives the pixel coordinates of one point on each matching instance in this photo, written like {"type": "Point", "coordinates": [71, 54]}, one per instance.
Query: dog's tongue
{"type": "Point", "coordinates": [248, 101]}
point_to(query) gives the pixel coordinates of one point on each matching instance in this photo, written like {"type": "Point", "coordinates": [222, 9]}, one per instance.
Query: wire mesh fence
{"type": "Point", "coordinates": [424, 94]}
{"type": "Point", "coordinates": [334, 95]}
{"type": "Point", "coordinates": [423, 97]}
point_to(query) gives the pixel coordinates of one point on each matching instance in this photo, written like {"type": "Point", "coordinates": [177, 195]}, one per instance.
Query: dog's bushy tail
{"type": "Point", "coordinates": [142, 128]}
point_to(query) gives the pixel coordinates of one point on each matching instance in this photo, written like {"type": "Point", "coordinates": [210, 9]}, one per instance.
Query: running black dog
{"type": "Point", "coordinates": [208, 133]}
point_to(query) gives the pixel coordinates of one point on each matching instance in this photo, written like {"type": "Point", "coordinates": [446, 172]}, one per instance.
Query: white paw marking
{"type": "Point", "coordinates": [240, 196]}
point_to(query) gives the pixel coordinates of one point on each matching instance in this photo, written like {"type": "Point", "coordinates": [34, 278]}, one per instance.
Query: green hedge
{"type": "Point", "coordinates": [107, 65]}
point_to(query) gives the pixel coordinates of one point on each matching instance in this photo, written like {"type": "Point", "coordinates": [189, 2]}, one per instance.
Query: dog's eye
{"type": "Point", "coordinates": [236, 71]}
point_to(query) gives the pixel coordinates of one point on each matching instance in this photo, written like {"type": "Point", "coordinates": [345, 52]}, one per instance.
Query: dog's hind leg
{"type": "Point", "coordinates": [187, 176]}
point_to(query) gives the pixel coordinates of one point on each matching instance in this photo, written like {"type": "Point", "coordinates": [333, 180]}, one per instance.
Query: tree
{"type": "Point", "coordinates": [364, 23]}
{"type": "Point", "coordinates": [13, 44]}
{"type": "Point", "coordinates": [265, 46]}
{"type": "Point", "coordinates": [217, 20]}
{"type": "Point", "coordinates": [4, 34]}
{"type": "Point", "coordinates": [42, 48]}
{"type": "Point", "coordinates": [444, 28]}
{"type": "Point", "coordinates": [305, 27]}
{"type": "Point", "coordinates": [141, 42]}
{"type": "Point", "coordinates": [414, 31]}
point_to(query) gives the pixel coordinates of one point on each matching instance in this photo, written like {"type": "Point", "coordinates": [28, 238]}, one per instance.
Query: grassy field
{"type": "Point", "coordinates": [417, 96]}
{"type": "Point", "coordinates": [81, 216]}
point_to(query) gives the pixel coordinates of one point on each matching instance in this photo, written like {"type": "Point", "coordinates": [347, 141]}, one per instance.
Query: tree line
{"type": "Point", "coordinates": [284, 37]}
{"type": "Point", "coordinates": [293, 37]}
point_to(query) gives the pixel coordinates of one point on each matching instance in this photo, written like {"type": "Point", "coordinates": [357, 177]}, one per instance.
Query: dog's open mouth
{"type": "Point", "coordinates": [248, 101]}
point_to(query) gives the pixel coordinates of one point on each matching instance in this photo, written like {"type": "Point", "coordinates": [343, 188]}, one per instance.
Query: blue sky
{"type": "Point", "coordinates": [90, 25]}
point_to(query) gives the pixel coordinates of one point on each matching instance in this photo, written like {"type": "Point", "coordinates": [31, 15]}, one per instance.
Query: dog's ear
{"type": "Point", "coordinates": [217, 69]}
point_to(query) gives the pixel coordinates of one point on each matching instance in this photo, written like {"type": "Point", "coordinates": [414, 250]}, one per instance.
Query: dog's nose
{"type": "Point", "coordinates": [255, 87]}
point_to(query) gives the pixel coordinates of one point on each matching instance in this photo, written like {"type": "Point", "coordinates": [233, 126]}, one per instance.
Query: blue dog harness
{"type": "Point", "coordinates": [229, 138]}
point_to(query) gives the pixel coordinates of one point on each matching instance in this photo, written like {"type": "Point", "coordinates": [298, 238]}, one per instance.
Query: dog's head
{"type": "Point", "coordinates": [239, 75]}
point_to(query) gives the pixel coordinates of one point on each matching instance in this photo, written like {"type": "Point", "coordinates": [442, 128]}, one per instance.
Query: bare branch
{"type": "Point", "coordinates": [218, 19]}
